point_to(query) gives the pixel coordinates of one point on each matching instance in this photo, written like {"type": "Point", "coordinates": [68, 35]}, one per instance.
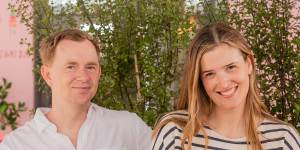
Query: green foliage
{"type": "Point", "coordinates": [9, 112]}
{"type": "Point", "coordinates": [141, 47]}
{"type": "Point", "coordinates": [144, 34]}
{"type": "Point", "coordinates": [144, 41]}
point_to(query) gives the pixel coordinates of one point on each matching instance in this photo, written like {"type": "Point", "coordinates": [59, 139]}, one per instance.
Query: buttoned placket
{"type": "Point", "coordinates": [52, 130]}
{"type": "Point", "coordinates": [82, 133]}
{"type": "Point", "coordinates": [84, 130]}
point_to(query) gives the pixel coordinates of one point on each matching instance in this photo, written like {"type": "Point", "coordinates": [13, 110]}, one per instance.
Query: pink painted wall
{"type": "Point", "coordinates": [15, 64]}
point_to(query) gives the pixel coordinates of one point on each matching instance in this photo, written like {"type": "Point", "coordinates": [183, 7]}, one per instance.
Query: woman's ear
{"type": "Point", "coordinates": [45, 72]}
{"type": "Point", "coordinates": [249, 64]}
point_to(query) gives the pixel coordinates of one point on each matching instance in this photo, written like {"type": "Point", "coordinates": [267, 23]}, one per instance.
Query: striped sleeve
{"type": "Point", "coordinates": [291, 139]}
{"type": "Point", "coordinates": [165, 138]}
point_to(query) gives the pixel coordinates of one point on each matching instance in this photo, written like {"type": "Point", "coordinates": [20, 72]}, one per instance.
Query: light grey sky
{"type": "Point", "coordinates": [59, 2]}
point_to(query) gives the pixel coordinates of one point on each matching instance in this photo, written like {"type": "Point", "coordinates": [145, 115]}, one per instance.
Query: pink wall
{"type": "Point", "coordinates": [15, 64]}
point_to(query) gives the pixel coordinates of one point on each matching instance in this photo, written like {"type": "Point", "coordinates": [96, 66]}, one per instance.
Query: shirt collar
{"type": "Point", "coordinates": [91, 110]}
{"type": "Point", "coordinates": [43, 123]}
{"type": "Point", "coordinates": [41, 120]}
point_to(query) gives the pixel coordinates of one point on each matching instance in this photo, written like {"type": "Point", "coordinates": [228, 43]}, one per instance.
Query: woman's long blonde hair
{"type": "Point", "coordinates": [194, 98]}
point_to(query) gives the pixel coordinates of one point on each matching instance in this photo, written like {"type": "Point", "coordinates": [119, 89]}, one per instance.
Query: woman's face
{"type": "Point", "coordinates": [225, 75]}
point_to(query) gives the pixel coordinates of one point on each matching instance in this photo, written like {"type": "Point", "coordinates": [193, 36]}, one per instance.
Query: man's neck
{"type": "Point", "coordinates": [68, 119]}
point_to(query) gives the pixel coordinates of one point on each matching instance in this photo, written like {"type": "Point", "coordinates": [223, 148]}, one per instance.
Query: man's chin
{"type": "Point", "coordinates": [81, 100]}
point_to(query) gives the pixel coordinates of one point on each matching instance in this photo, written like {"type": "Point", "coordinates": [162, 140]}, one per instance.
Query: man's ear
{"type": "Point", "coordinates": [100, 71]}
{"type": "Point", "coordinates": [249, 64]}
{"type": "Point", "coordinates": [45, 72]}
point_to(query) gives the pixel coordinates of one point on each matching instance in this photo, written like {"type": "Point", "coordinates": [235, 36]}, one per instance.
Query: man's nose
{"type": "Point", "coordinates": [82, 75]}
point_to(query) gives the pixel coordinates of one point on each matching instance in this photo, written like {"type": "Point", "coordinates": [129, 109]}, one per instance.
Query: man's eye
{"type": "Point", "coordinates": [91, 68]}
{"type": "Point", "coordinates": [71, 67]}
{"type": "Point", "coordinates": [231, 67]}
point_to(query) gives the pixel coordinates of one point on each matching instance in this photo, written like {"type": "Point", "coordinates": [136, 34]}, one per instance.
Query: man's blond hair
{"type": "Point", "coordinates": [48, 45]}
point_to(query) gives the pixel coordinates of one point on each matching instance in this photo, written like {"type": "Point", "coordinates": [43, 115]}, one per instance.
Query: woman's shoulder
{"type": "Point", "coordinates": [269, 126]}
{"type": "Point", "coordinates": [172, 122]}
{"type": "Point", "coordinates": [178, 114]}
{"type": "Point", "coordinates": [277, 125]}
{"type": "Point", "coordinates": [165, 137]}
{"type": "Point", "coordinates": [278, 129]}
{"type": "Point", "coordinates": [168, 129]}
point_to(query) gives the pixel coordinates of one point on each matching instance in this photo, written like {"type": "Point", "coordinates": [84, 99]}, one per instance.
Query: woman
{"type": "Point", "coordinates": [219, 105]}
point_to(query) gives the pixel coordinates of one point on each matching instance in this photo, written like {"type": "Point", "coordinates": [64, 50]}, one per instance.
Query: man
{"type": "Point", "coordinates": [71, 69]}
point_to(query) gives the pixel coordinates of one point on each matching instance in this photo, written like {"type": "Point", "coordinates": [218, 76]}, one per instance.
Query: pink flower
{"type": "Point", "coordinates": [1, 136]}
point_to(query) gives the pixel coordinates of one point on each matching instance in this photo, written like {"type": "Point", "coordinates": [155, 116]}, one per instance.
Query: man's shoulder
{"type": "Point", "coordinates": [21, 133]}
{"type": "Point", "coordinates": [114, 114]}
{"type": "Point", "coordinates": [28, 127]}
{"type": "Point", "coordinates": [124, 120]}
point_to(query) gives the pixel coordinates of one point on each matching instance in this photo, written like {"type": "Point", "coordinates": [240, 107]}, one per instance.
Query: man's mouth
{"type": "Point", "coordinates": [81, 87]}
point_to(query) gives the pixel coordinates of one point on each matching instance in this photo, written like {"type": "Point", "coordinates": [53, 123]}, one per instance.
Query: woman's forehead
{"type": "Point", "coordinates": [220, 56]}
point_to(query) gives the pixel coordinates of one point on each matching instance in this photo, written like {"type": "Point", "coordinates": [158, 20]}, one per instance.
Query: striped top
{"type": "Point", "coordinates": [274, 136]}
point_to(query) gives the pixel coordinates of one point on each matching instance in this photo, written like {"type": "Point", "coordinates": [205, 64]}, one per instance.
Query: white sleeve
{"type": "Point", "coordinates": [292, 139]}
{"type": "Point", "coordinates": [4, 147]}
{"type": "Point", "coordinates": [165, 138]}
{"type": "Point", "coordinates": [143, 138]}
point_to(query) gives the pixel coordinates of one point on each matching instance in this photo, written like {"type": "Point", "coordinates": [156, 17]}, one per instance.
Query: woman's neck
{"type": "Point", "coordinates": [228, 122]}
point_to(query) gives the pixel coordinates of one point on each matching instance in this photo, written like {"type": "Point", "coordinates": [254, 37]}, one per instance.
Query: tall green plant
{"type": "Point", "coordinates": [141, 47]}
{"type": "Point", "coordinates": [143, 42]}
{"type": "Point", "coordinates": [140, 53]}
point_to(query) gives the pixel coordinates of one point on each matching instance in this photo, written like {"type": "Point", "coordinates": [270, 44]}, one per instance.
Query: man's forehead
{"type": "Point", "coordinates": [69, 42]}
{"type": "Point", "coordinates": [74, 62]}
{"type": "Point", "coordinates": [76, 55]}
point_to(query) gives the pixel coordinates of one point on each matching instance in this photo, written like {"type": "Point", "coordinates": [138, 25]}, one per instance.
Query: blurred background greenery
{"type": "Point", "coordinates": [144, 43]}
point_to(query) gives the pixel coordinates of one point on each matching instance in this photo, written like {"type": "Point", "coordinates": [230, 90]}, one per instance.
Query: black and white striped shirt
{"type": "Point", "coordinates": [275, 136]}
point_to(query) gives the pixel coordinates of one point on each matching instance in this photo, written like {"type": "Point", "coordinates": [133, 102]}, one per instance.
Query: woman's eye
{"type": "Point", "coordinates": [208, 75]}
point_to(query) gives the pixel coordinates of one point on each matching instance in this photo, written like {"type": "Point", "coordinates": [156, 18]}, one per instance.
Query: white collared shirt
{"type": "Point", "coordinates": [103, 129]}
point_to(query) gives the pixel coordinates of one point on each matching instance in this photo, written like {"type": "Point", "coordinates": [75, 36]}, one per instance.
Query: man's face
{"type": "Point", "coordinates": [74, 73]}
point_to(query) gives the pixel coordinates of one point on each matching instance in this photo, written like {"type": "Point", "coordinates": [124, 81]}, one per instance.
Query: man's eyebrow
{"type": "Point", "coordinates": [71, 63]}
{"type": "Point", "coordinates": [92, 64]}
